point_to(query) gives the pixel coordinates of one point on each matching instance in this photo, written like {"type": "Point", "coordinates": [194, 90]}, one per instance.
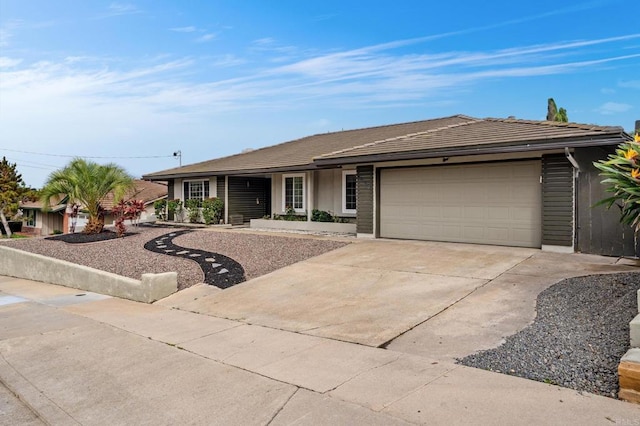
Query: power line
{"type": "Point", "coordinates": [26, 162]}
{"type": "Point", "coordinates": [85, 156]}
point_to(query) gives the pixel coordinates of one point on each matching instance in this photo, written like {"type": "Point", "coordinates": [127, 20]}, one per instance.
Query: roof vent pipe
{"type": "Point", "coordinates": [572, 160]}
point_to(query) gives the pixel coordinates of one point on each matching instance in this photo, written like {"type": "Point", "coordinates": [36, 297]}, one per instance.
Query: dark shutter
{"type": "Point", "coordinates": [364, 200]}
{"type": "Point", "coordinates": [206, 189]}
{"type": "Point", "coordinates": [249, 197]}
{"type": "Point", "coordinates": [557, 201]}
{"type": "Point", "coordinates": [185, 192]}
{"type": "Point", "coordinates": [220, 187]}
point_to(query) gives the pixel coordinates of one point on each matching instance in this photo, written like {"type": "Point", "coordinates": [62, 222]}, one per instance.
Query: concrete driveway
{"type": "Point", "coordinates": [443, 300]}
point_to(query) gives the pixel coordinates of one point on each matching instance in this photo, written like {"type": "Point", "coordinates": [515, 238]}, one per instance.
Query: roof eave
{"type": "Point", "coordinates": [475, 150]}
{"type": "Point", "coordinates": [187, 175]}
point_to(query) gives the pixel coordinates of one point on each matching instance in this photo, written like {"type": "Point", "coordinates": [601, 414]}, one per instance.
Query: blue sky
{"type": "Point", "coordinates": [211, 78]}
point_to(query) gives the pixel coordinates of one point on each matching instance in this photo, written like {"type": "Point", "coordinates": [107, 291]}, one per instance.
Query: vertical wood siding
{"type": "Point", "coordinates": [557, 201]}
{"type": "Point", "coordinates": [364, 191]}
{"type": "Point", "coordinates": [249, 197]}
{"type": "Point", "coordinates": [599, 229]}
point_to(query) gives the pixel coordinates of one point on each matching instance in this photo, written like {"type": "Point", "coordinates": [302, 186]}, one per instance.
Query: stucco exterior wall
{"type": "Point", "coordinates": [179, 187]}
{"type": "Point", "coordinates": [326, 193]}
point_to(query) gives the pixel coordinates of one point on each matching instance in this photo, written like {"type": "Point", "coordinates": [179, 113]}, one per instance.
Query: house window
{"type": "Point", "coordinates": [349, 197]}
{"type": "Point", "coordinates": [294, 192]}
{"type": "Point", "coordinates": [30, 218]}
{"type": "Point", "coordinates": [196, 189]}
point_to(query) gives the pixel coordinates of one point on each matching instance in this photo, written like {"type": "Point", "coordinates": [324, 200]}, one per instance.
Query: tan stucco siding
{"type": "Point", "coordinates": [49, 222]}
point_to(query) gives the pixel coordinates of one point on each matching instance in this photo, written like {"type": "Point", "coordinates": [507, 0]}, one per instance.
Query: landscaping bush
{"type": "Point", "coordinates": [321, 216]}
{"type": "Point", "coordinates": [175, 209]}
{"type": "Point", "coordinates": [160, 207]}
{"type": "Point", "coordinates": [291, 215]}
{"type": "Point", "coordinates": [193, 210]}
{"type": "Point", "coordinates": [622, 178]}
{"type": "Point", "coordinates": [212, 209]}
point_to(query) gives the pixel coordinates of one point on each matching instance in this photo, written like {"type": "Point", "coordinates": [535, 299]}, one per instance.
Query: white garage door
{"type": "Point", "coordinates": [492, 203]}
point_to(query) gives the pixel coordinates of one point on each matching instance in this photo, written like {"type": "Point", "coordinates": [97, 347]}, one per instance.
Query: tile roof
{"type": "Point", "coordinates": [57, 203]}
{"type": "Point", "coordinates": [480, 133]}
{"type": "Point", "coordinates": [299, 153]}
{"type": "Point", "coordinates": [144, 190]}
{"type": "Point", "coordinates": [419, 137]}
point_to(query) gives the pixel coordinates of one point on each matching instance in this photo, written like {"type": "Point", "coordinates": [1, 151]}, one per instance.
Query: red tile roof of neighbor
{"type": "Point", "coordinates": [144, 190]}
{"type": "Point", "coordinates": [57, 203]}
{"type": "Point", "coordinates": [419, 137]}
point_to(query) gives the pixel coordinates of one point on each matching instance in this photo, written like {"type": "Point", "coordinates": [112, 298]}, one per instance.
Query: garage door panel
{"type": "Point", "coordinates": [496, 203]}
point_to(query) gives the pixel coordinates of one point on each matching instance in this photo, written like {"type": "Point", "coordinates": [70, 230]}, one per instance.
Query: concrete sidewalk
{"type": "Point", "coordinates": [82, 358]}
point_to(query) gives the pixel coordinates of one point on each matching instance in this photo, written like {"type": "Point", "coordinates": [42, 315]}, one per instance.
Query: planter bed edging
{"type": "Point", "coordinates": [21, 264]}
{"type": "Point", "coordinates": [340, 228]}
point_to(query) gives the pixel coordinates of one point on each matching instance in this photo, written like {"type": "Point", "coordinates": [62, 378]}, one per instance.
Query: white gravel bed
{"type": "Point", "coordinates": [578, 337]}
{"type": "Point", "coordinates": [259, 254]}
{"type": "Point", "coordinates": [123, 256]}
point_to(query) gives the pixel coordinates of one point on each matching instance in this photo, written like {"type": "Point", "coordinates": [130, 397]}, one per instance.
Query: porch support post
{"type": "Point", "coordinates": [310, 195]}
{"type": "Point", "coordinates": [226, 199]}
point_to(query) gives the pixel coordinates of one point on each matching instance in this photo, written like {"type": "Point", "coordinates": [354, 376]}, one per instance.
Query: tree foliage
{"type": "Point", "coordinates": [131, 210]}
{"type": "Point", "coordinates": [622, 177]}
{"type": "Point", "coordinates": [555, 114]}
{"type": "Point", "coordinates": [12, 192]}
{"type": "Point", "coordinates": [87, 183]}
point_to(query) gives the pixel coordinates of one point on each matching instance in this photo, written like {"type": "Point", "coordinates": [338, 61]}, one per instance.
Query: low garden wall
{"type": "Point", "coordinates": [340, 228]}
{"type": "Point", "coordinates": [31, 266]}
{"type": "Point", "coordinates": [629, 368]}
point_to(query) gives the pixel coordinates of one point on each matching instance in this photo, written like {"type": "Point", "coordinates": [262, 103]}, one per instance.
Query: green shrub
{"type": "Point", "coordinates": [174, 207]}
{"type": "Point", "coordinates": [193, 209]}
{"type": "Point", "coordinates": [212, 209]}
{"type": "Point", "coordinates": [321, 216]}
{"type": "Point", "coordinates": [622, 178]}
{"type": "Point", "coordinates": [160, 207]}
{"type": "Point", "coordinates": [291, 215]}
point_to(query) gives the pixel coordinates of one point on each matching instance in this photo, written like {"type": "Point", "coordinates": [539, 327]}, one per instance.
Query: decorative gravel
{"type": "Point", "coordinates": [220, 271]}
{"type": "Point", "coordinates": [82, 238]}
{"type": "Point", "coordinates": [258, 254]}
{"type": "Point", "coordinates": [122, 256]}
{"type": "Point", "coordinates": [577, 339]}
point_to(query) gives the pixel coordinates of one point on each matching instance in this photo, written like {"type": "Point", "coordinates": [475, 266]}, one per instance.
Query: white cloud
{"type": "Point", "coordinates": [189, 29]}
{"type": "Point", "coordinates": [630, 84]}
{"type": "Point", "coordinates": [229, 60]}
{"type": "Point", "coordinates": [206, 37]}
{"type": "Point", "coordinates": [123, 8]}
{"type": "Point", "coordinates": [610, 108]}
{"type": "Point", "coordinates": [264, 41]}
{"type": "Point", "coordinates": [5, 36]}
{"type": "Point", "coordinates": [9, 62]}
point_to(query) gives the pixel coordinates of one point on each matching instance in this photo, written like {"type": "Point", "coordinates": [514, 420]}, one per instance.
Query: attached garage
{"type": "Point", "coordinates": [487, 203]}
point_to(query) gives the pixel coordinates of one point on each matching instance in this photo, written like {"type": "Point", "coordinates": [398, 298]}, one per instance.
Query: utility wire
{"type": "Point", "coordinates": [18, 160]}
{"type": "Point", "coordinates": [84, 156]}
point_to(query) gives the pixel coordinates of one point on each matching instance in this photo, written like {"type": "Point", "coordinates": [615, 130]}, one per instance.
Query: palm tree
{"type": "Point", "coordinates": [87, 183]}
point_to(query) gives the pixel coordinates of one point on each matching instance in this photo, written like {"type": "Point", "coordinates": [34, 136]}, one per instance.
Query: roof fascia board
{"type": "Point", "coordinates": [479, 150]}
{"type": "Point", "coordinates": [301, 168]}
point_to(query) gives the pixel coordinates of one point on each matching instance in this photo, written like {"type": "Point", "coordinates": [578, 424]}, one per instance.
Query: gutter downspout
{"type": "Point", "coordinates": [572, 160]}
{"type": "Point", "coordinates": [576, 183]}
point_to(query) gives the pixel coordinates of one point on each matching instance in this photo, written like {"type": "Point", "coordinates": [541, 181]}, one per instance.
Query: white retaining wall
{"type": "Point", "coordinates": [22, 264]}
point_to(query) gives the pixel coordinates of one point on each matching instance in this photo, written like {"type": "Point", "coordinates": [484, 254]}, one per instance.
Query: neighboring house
{"type": "Point", "coordinates": [148, 192]}
{"type": "Point", "coordinates": [56, 219]}
{"type": "Point", "coordinates": [460, 179]}
{"type": "Point", "coordinates": [37, 222]}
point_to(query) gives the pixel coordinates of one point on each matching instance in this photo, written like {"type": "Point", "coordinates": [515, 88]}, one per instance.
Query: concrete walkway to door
{"type": "Point", "coordinates": [388, 293]}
